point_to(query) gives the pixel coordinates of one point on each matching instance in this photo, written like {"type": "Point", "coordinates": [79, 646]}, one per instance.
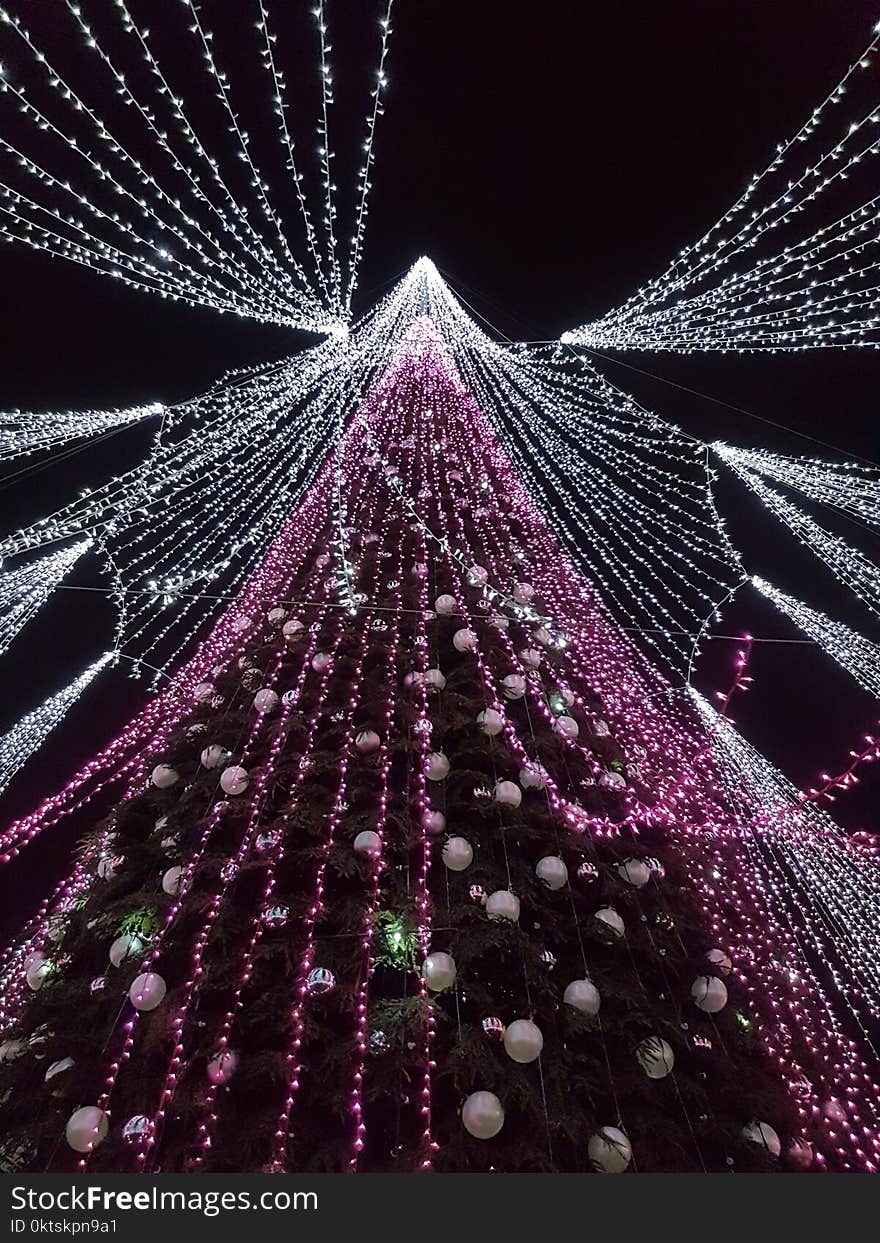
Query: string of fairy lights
{"type": "Point", "coordinates": [793, 264]}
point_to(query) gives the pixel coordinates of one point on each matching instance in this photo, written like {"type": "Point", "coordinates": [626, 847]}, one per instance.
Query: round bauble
{"type": "Point", "coordinates": [543, 636]}
{"type": "Point", "coordinates": [490, 722]}
{"type": "Point", "coordinates": [635, 872]}
{"type": "Point", "coordinates": [609, 921]}
{"type": "Point", "coordinates": [204, 692]}
{"type": "Point", "coordinates": [37, 974]}
{"type": "Point", "coordinates": [609, 1151]}
{"type": "Point", "coordinates": [367, 740]}
{"type": "Point", "coordinates": [164, 776]}
{"type": "Point", "coordinates": [136, 1128]}
{"type": "Point", "coordinates": [566, 727]}
{"type": "Point", "coordinates": [214, 756]}
{"type": "Point", "coordinates": [464, 640]}
{"type": "Point", "coordinates": [482, 1115]}
{"type": "Point", "coordinates": [171, 880]}
{"type": "Point", "coordinates": [86, 1128]}
{"type": "Point", "coordinates": [234, 780]}
{"type": "Point", "coordinates": [436, 766]}
{"type": "Point", "coordinates": [368, 844]}
{"type": "Point", "coordinates": [322, 561]}
{"type": "Point", "coordinates": [321, 980]}
{"type": "Point", "coordinates": [444, 605]}
{"type": "Point", "coordinates": [241, 623]}
{"type": "Point", "coordinates": [523, 593]}
{"type": "Point", "coordinates": [222, 1067]}
{"type": "Point", "coordinates": [612, 781]}
{"type": "Point", "coordinates": [433, 822]}
{"type": "Point", "coordinates": [147, 991]}
{"type": "Point", "coordinates": [552, 871]}
{"type": "Point", "coordinates": [58, 1068]}
{"type": "Point", "coordinates": [458, 853]}
{"type": "Point", "coordinates": [434, 680]}
{"type": "Point", "coordinates": [720, 961]}
{"type": "Point", "coordinates": [276, 616]}
{"type": "Point", "coordinates": [438, 972]}
{"type": "Point", "coordinates": [266, 700]}
{"type": "Point", "coordinates": [762, 1135]}
{"type": "Point", "coordinates": [799, 1154]}
{"type": "Point", "coordinates": [508, 793]}
{"type": "Point", "coordinates": [532, 777]}
{"type": "Point", "coordinates": [513, 686]}
{"type": "Point", "coordinates": [127, 946]}
{"type": "Point", "coordinates": [655, 1057]}
{"type": "Point", "coordinates": [523, 1041]}
{"type": "Point", "coordinates": [478, 576]}
{"type": "Point", "coordinates": [321, 662]}
{"type": "Point", "coordinates": [530, 657]}
{"type": "Point", "coordinates": [293, 629]}
{"type": "Point", "coordinates": [503, 905]}
{"type": "Point", "coordinates": [709, 994]}
{"type": "Point", "coordinates": [582, 995]}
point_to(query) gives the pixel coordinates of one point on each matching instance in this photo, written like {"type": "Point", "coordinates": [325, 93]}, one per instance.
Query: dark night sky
{"type": "Point", "coordinates": [549, 157]}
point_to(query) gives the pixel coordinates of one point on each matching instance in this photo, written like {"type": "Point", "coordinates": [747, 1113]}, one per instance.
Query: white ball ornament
{"type": "Point", "coordinates": [612, 781]}
{"type": "Point", "coordinates": [609, 1151]}
{"type": "Point", "coordinates": [655, 1056]}
{"type": "Point", "coordinates": [437, 766]}
{"type": "Point", "coordinates": [367, 740]}
{"type": "Point", "coordinates": [709, 994]}
{"type": "Point", "coordinates": [762, 1135]}
{"type": "Point", "coordinates": [321, 662]}
{"type": "Point", "coordinates": [86, 1128]}
{"type": "Point", "coordinates": [213, 756]}
{"type": "Point", "coordinates": [610, 921]}
{"type": "Point", "coordinates": [276, 616]}
{"type": "Point", "coordinates": [458, 854]}
{"type": "Point", "coordinates": [222, 1067]}
{"type": "Point", "coordinates": [241, 623]}
{"type": "Point", "coordinates": [552, 871]}
{"type": "Point", "coordinates": [433, 822]}
{"type": "Point", "coordinates": [439, 972]}
{"type": "Point", "coordinates": [37, 974]}
{"type": "Point", "coordinates": [171, 880]}
{"type": "Point", "coordinates": [234, 780]}
{"type": "Point", "coordinates": [523, 593]}
{"type": "Point", "coordinates": [582, 995]}
{"type": "Point", "coordinates": [434, 680]}
{"type": "Point", "coordinates": [368, 843]}
{"type": "Point", "coordinates": [164, 776]}
{"type": "Point", "coordinates": [58, 1068]}
{"type": "Point", "coordinates": [720, 961]}
{"type": "Point", "coordinates": [490, 722]}
{"type": "Point", "coordinates": [533, 777]}
{"type": "Point", "coordinates": [445, 605]}
{"type": "Point", "coordinates": [266, 700]}
{"type": "Point", "coordinates": [543, 636]}
{"type": "Point", "coordinates": [129, 945]}
{"type": "Point", "coordinates": [147, 991]}
{"type": "Point", "coordinates": [204, 692]}
{"type": "Point", "coordinates": [482, 1115]}
{"type": "Point", "coordinates": [508, 793]}
{"type": "Point", "coordinates": [566, 727]}
{"type": "Point", "coordinates": [293, 629]}
{"type": "Point", "coordinates": [635, 872]}
{"type": "Point", "coordinates": [530, 657]}
{"type": "Point", "coordinates": [478, 576]}
{"type": "Point", "coordinates": [523, 1041]}
{"type": "Point", "coordinates": [513, 686]}
{"type": "Point", "coordinates": [503, 905]}
{"type": "Point", "coordinates": [464, 640]}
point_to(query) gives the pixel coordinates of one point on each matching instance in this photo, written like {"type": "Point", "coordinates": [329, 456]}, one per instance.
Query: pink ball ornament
{"type": "Point", "coordinates": [321, 662]}
{"type": "Point", "coordinates": [222, 1067]}
{"type": "Point", "coordinates": [445, 605]}
{"type": "Point", "coordinates": [266, 700]}
{"type": "Point", "coordinates": [367, 741]}
{"type": "Point", "coordinates": [464, 640]}
{"type": "Point", "coordinates": [458, 854]}
{"type": "Point", "coordinates": [147, 991]}
{"type": "Point", "coordinates": [508, 793]}
{"type": "Point", "coordinates": [234, 780]}
{"type": "Point", "coordinates": [567, 727]}
{"type": "Point", "coordinates": [204, 692]}
{"type": "Point", "coordinates": [213, 756]}
{"type": "Point", "coordinates": [368, 844]}
{"type": "Point", "coordinates": [433, 822]}
{"type": "Point", "coordinates": [513, 686]}
{"type": "Point", "coordinates": [241, 623]}
{"type": "Point", "coordinates": [612, 781]}
{"type": "Point", "coordinates": [490, 722]}
{"type": "Point", "coordinates": [164, 776]}
{"type": "Point", "coordinates": [293, 629]}
{"type": "Point", "coordinates": [86, 1128]}
{"type": "Point", "coordinates": [482, 1115]}
{"type": "Point", "coordinates": [709, 994]}
{"type": "Point", "coordinates": [478, 576]}
{"type": "Point", "coordinates": [523, 593]}
{"type": "Point", "coordinates": [436, 766]}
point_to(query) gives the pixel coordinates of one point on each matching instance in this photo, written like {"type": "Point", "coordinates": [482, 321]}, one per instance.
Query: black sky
{"type": "Point", "coordinates": [549, 157]}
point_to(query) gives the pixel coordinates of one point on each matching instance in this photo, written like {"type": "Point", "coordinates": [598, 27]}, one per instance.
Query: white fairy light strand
{"type": "Point", "coordinates": [25, 589]}
{"type": "Point", "coordinates": [24, 434]}
{"type": "Point", "coordinates": [852, 487]}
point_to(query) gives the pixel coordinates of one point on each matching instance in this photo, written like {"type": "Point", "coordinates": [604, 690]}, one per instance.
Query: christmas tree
{"type": "Point", "coordinates": [417, 871]}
